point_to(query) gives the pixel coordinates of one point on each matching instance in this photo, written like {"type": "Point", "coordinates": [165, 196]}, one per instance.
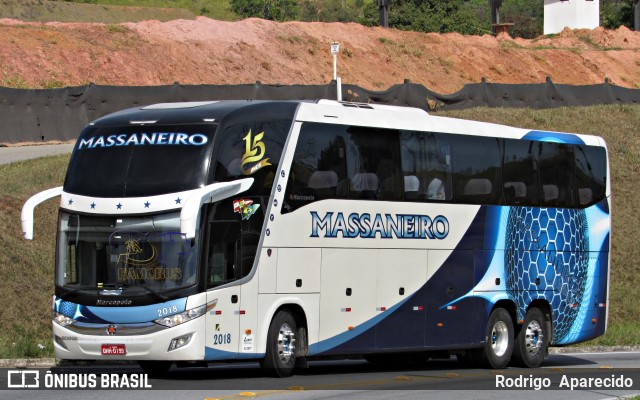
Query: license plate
{"type": "Point", "coordinates": [114, 350]}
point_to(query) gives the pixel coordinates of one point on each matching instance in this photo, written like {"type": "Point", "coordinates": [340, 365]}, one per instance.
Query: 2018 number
{"type": "Point", "coordinates": [221, 338]}
{"type": "Point", "coordinates": [167, 310]}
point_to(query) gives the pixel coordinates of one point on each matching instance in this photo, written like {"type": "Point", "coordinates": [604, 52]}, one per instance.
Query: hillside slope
{"type": "Point", "coordinates": [217, 52]}
{"type": "Point", "coordinates": [62, 11]}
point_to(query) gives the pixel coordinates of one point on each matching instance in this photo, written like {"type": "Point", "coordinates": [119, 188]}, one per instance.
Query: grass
{"type": "Point", "coordinates": [510, 44]}
{"type": "Point", "coordinates": [292, 39]}
{"type": "Point", "coordinates": [411, 51]}
{"type": "Point", "coordinates": [617, 124]}
{"type": "Point", "coordinates": [216, 9]}
{"type": "Point", "coordinates": [115, 28]}
{"type": "Point", "coordinates": [112, 11]}
{"type": "Point", "coordinates": [26, 268]}
{"type": "Point", "coordinates": [26, 274]}
{"type": "Point", "coordinates": [12, 80]}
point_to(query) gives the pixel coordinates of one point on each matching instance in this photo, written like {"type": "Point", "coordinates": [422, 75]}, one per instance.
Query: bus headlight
{"type": "Point", "coordinates": [180, 341]}
{"type": "Point", "coordinates": [185, 316]}
{"type": "Point", "coordinates": [62, 319]}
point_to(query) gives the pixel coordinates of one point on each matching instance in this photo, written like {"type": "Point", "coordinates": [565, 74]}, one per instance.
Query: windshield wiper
{"type": "Point", "coordinates": [155, 293]}
{"type": "Point", "coordinates": [148, 289]}
{"type": "Point", "coordinates": [73, 291]}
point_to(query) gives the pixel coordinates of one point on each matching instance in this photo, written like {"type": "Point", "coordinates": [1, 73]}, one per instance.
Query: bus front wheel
{"type": "Point", "coordinates": [532, 340]}
{"type": "Point", "coordinates": [280, 357]}
{"type": "Point", "coordinates": [499, 340]}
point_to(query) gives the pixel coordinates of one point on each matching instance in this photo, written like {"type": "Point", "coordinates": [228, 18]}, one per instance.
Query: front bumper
{"type": "Point", "coordinates": [85, 342]}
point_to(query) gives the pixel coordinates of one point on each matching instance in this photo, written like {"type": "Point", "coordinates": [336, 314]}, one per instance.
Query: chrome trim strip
{"type": "Point", "coordinates": [145, 328]}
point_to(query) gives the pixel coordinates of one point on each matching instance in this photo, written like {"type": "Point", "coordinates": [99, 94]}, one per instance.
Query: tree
{"type": "Point", "coordinates": [276, 10]}
{"type": "Point", "coordinates": [330, 10]}
{"type": "Point", "coordinates": [527, 17]}
{"type": "Point", "coordinates": [463, 16]}
{"type": "Point", "coordinates": [615, 13]}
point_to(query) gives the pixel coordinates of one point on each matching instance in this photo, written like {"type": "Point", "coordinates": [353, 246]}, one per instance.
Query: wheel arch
{"type": "Point", "coordinates": [297, 310]}
{"type": "Point", "coordinates": [544, 306]}
{"type": "Point", "coordinates": [509, 306]}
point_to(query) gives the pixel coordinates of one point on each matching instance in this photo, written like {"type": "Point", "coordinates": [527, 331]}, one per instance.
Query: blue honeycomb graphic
{"type": "Point", "coordinates": [67, 308]}
{"type": "Point", "coordinates": [552, 245]}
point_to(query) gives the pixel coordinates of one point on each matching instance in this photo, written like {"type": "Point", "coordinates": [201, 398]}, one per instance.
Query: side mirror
{"type": "Point", "coordinates": [27, 210]}
{"type": "Point", "coordinates": [208, 194]}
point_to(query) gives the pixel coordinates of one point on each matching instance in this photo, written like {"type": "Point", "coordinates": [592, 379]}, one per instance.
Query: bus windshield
{"type": "Point", "coordinates": [136, 255]}
{"type": "Point", "coordinates": [135, 161]}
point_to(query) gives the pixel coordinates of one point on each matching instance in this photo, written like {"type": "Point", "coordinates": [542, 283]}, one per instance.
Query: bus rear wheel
{"type": "Point", "coordinates": [280, 357]}
{"type": "Point", "coordinates": [532, 340]}
{"type": "Point", "coordinates": [498, 345]}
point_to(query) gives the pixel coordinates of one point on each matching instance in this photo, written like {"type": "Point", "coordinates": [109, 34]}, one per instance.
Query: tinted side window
{"type": "Point", "coordinates": [344, 162]}
{"type": "Point", "coordinates": [319, 168]}
{"type": "Point", "coordinates": [251, 149]}
{"type": "Point", "coordinates": [426, 166]}
{"type": "Point", "coordinates": [373, 164]}
{"type": "Point", "coordinates": [477, 168]}
{"type": "Point", "coordinates": [520, 173]}
{"type": "Point", "coordinates": [557, 175]}
{"type": "Point", "coordinates": [591, 174]}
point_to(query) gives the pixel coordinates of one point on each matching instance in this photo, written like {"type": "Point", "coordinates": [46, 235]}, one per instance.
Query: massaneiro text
{"type": "Point", "coordinates": [143, 139]}
{"type": "Point", "coordinates": [387, 226]}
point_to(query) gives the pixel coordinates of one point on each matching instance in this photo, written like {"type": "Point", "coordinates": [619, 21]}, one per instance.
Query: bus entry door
{"type": "Point", "coordinates": [223, 264]}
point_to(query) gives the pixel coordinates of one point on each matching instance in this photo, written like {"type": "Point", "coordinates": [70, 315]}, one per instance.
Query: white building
{"type": "Point", "coordinates": [574, 14]}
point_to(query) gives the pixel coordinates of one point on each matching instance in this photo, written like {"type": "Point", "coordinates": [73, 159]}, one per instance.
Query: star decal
{"type": "Point", "coordinates": [70, 201]}
{"type": "Point", "coordinates": [119, 206]}
{"type": "Point", "coordinates": [178, 200]}
{"type": "Point", "coordinates": [93, 205]}
{"type": "Point", "coordinates": [147, 204]}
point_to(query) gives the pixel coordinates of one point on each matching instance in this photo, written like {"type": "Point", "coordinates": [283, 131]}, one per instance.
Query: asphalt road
{"type": "Point", "coordinates": [357, 379]}
{"type": "Point", "coordinates": [13, 154]}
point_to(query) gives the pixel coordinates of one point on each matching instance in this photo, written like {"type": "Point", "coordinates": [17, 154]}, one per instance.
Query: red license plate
{"type": "Point", "coordinates": [114, 350]}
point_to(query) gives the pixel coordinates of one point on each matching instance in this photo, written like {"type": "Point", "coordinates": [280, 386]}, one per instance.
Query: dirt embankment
{"type": "Point", "coordinates": [206, 51]}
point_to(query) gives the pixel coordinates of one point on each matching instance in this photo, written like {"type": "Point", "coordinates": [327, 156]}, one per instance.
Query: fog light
{"type": "Point", "coordinates": [180, 341]}
{"type": "Point", "coordinates": [59, 340]}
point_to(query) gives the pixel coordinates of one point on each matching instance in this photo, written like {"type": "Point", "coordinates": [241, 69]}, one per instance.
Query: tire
{"type": "Point", "coordinates": [280, 356]}
{"type": "Point", "coordinates": [532, 340]}
{"type": "Point", "coordinates": [155, 368]}
{"type": "Point", "coordinates": [498, 346]}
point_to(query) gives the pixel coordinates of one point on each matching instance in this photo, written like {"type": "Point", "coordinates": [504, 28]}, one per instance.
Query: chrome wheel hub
{"type": "Point", "coordinates": [286, 343]}
{"type": "Point", "coordinates": [499, 338]}
{"type": "Point", "coordinates": [533, 337]}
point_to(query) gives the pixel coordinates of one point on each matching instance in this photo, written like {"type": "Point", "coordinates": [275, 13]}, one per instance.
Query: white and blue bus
{"type": "Point", "coordinates": [282, 231]}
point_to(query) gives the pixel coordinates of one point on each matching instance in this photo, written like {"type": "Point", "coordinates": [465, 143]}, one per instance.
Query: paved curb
{"type": "Point", "coordinates": [27, 362]}
{"type": "Point", "coordinates": [52, 362]}
{"type": "Point", "coordinates": [592, 349]}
